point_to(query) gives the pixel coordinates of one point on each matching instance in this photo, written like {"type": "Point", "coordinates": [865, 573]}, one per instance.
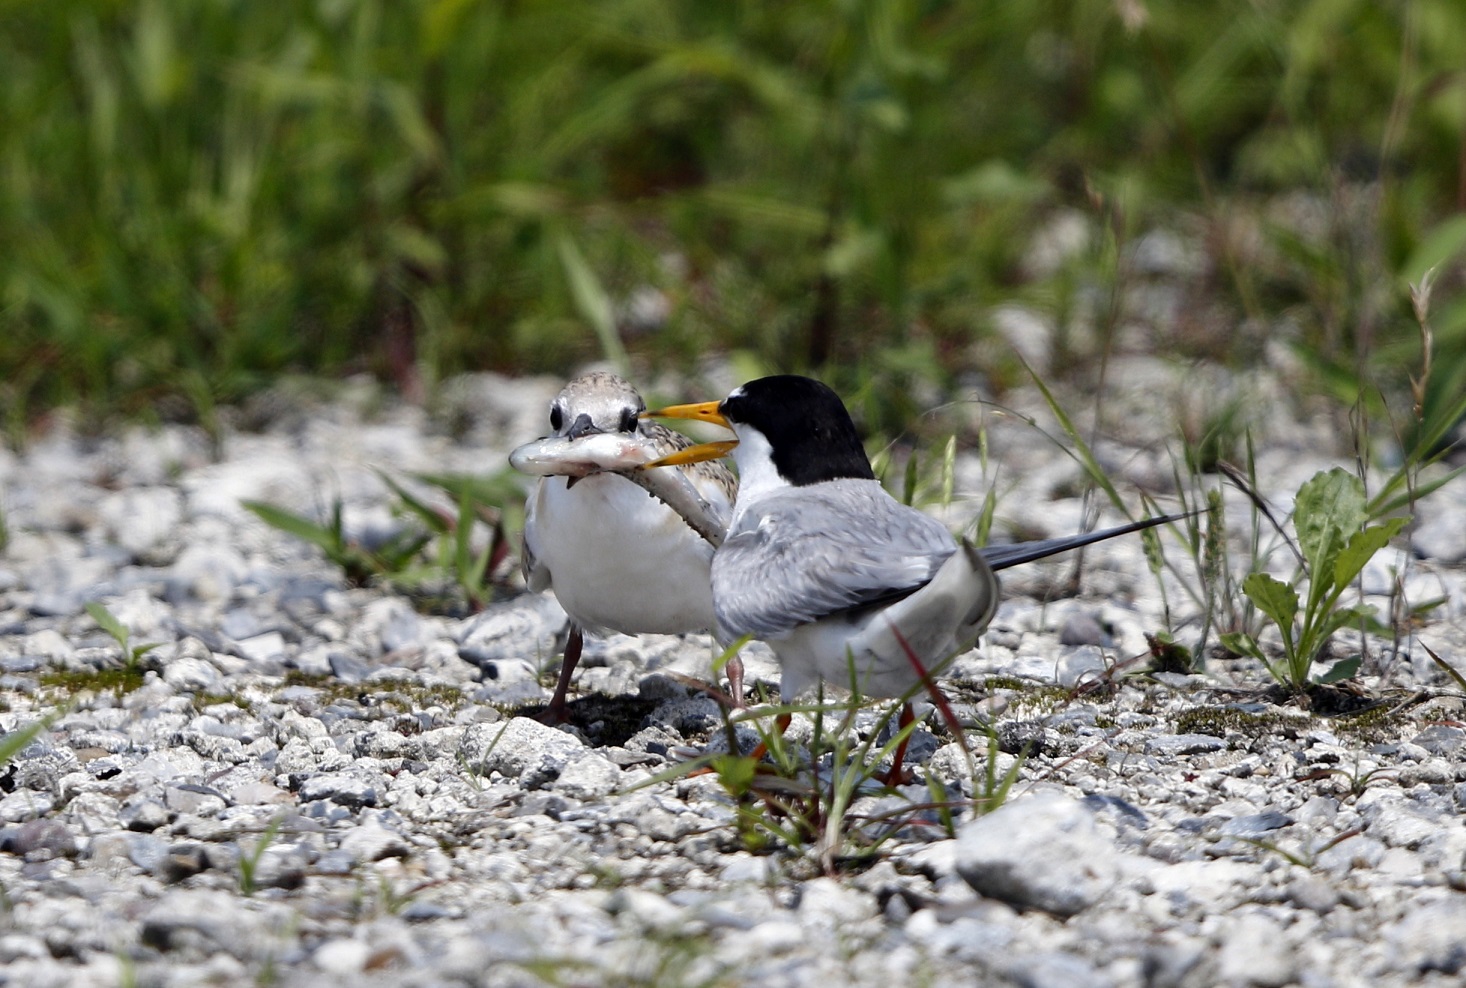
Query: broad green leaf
{"type": "Point", "coordinates": [1360, 548]}
{"type": "Point", "coordinates": [1244, 644]}
{"type": "Point", "coordinates": [1330, 508]}
{"type": "Point", "coordinates": [1239, 643]}
{"type": "Point", "coordinates": [1445, 242]}
{"type": "Point", "coordinates": [1341, 670]}
{"type": "Point", "coordinates": [1274, 598]}
{"type": "Point", "coordinates": [1343, 617]}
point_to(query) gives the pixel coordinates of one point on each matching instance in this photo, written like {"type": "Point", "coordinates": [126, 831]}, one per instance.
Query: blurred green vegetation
{"type": "Point", "coordinates": [199, 196]}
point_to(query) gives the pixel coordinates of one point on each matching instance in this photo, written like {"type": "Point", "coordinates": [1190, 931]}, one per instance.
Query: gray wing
{"type": "Point", "coordinates": [799, 555]}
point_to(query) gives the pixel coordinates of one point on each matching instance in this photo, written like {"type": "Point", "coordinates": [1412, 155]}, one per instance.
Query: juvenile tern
{"type": "Point", "coordinates": [616, 558]}
{"type": "Point", "coordinates": [844, 582]}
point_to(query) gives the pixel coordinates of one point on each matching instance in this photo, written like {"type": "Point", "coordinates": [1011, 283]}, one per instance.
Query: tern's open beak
{"type": "Point", "coordinates": [706, 411]}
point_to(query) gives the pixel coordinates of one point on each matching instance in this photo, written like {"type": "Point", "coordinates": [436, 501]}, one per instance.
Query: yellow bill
{"type": "Point", "coordinates": [705, 411]}
{"type": "Point", "coordinates": [702, 411]}
{"type": "Point", "coordinates": [694, 454]}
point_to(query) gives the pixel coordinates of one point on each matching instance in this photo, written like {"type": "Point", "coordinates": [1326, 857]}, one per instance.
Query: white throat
{"type": "Point", "coordinates": [757, 474]}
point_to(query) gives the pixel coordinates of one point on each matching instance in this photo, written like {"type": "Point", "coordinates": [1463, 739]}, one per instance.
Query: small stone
{"type": "Point", "coordinates": [147, 852]}
{"type": "Point", "coordinates": [1252, 953]}
{"type": "Point", "coordinates": [258, 794]}
{"type": "Point", "coordinates": [339, 787]}
{"type": "Point", "coordinates": [1312, 892]}
{"type": "Point", "coordinates": [829, 905]}
{"type": "Point", "coordinates": [348, 668]}
{"type": "Point", "coordinates": [264, 648]}
{"type": "Point", "coordinates": [1254, 824]}
{"type": "Point", "coordinates": [207, 572]}
{"type": "Point", "coordinates": [1428, 938]}
{"type": "Point", "coordinates": [1442, 739]}
{"type": "Point", "coordinates": [25, 805]}
{"type": "Point", "coordinates": [1044, 852]}
{"type": "Point", "coordinates": [1043, 970]}
{"type": "Point", "coordinates": [1441, 538]}
{"type": "Point", "coordinates": [1178, 745]}
{"type": "Point", "coordinates": [394, 622]}
{"type": "Point", "coordinates": [42, 840]}
{"type": "Point", "coordinates": [194, 800]}
{"type": "Point", "coordinates": [1084, 628]}
{"type": "Point", "coordinates": [500, 637]}
{"type": "Point", "coordinates": [590, 776]}
{"type": "Point", "coordinates": [372, 842]}
{"type": "Point", "coordinates": [142, 815]}
{"type": "Point", "coordinates": [182, 861]}
{"type": "Point", "coordinates": [94, 812]}
{"type": "Point", "coordinates": [342, 958]}
{"type": "Point", "coordinates": [139, 518]}
{"type": "Point", "coordinates": [184, 673]}
{"type": "Point", "coordinates": [744, 867]}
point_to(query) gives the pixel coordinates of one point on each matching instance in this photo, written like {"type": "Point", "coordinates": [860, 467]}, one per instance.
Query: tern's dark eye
{"type": "Point", "coordinates": [629, 421]}
{"type": "Point", "coordinates": [557, 417]}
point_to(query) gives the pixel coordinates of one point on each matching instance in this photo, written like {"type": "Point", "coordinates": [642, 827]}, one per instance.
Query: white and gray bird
{"type": "Point", "coordinates": [615, 557]}
{"type": "Point", "coordinates": [823, 564]}
{"type": "Point", "coordinates": [844, 582]}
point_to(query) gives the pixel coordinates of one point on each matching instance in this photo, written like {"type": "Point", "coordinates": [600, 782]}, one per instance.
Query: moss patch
{"type": "Point", "coordinates": [1221, 721]}
{"type": "Point", "coordinates": [118, 682]}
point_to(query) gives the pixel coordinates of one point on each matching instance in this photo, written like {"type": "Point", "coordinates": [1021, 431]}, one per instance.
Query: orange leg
{"type": "Point", "coordinates": [781, 724]}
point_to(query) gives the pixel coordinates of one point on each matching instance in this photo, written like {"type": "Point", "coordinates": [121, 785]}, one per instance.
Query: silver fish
{"type": "Point", "coordinates": [560, 456]}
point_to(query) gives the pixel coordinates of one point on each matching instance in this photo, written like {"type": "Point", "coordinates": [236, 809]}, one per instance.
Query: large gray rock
{"type": "Point", "coordinates": [521, 749]}
{"type": "Point", "coordinates": [1042, 852]}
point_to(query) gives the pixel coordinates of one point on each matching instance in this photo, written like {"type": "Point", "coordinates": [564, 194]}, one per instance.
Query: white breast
{"type": "Point", "coordinates": [619, 559]}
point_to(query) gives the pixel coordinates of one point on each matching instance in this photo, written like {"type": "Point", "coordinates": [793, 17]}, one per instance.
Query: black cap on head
{"type": "Point", "coordinates": [810, 434]}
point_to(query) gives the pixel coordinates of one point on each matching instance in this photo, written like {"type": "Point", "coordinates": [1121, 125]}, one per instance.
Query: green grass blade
{"type": "Point", "coordinates": [297, 525]}
{"type": "Point", "coordinates": [592, 301]}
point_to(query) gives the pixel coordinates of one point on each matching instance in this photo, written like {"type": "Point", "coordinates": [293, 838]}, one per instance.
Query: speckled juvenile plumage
{"type": "Point", "coordinates": [616, 558]}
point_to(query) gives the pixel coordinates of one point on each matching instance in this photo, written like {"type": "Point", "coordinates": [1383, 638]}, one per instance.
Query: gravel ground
{"type": "Point", "coordinates": [312, 784]}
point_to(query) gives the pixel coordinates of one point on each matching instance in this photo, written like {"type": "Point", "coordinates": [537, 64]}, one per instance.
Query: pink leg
{"type": "Point", "coordinates": [734, 668]}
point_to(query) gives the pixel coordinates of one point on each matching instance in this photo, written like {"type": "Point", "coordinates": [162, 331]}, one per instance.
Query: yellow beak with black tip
{"type": "Point", "coordinates": [706, 411]}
